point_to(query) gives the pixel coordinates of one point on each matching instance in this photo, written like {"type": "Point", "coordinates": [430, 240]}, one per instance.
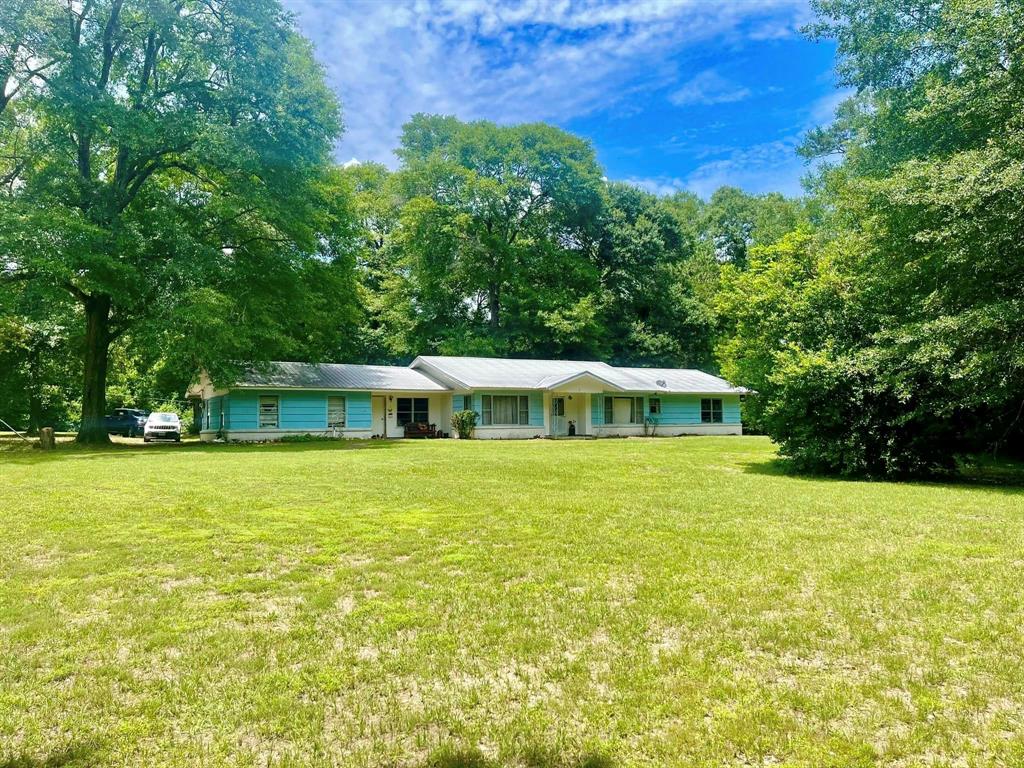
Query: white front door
{"type": "Point", "coordinates": [558, 424]}
{"type": "Point", "coordinates": [378, 412]}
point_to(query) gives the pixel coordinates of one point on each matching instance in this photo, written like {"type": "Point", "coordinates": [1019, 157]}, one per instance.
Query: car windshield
{"type": "Point", "coordinates": [164, 417]}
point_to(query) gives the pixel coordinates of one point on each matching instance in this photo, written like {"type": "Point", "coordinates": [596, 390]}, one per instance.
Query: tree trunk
{"type": "Point", "coordinates": [97, 349]}
{"type": "Point", "coordinates": [494, 305]}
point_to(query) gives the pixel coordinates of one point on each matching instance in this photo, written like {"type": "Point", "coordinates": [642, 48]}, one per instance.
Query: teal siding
{"type": "Point", "coordinates": [214, 408]}
{"type": "Point", "coordinates": [536, 409]}
{"type": "Point", "coordinates": [297, 410]}
{"type": "Point", "coordinates": [676, 410]}
{"type": "Point", "coordinates": [462, 403]}
{"type": "Point", "coordinates": [731, 409]}
{"type": "Point", "coordinates": [243, 409]}
{"type": "Point", "coordinates": [357, 410]}
{"type": "Point", "coordinates": [685, 409]}
{"type": "Point", "coordinates": [303, 410]}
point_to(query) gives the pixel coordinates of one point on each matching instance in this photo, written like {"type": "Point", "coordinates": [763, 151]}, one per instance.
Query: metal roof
{"type": "Point", "coordinates": [682, 380]}
{"type": "Point", "coordinates": [341, 376]}
{"type": "Point", "coordinates": [502, 373]}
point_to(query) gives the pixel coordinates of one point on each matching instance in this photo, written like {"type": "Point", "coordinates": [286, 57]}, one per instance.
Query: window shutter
{"type": "Point", "coordinates": [609, 411]}
{"type": "Point", "coordinates": [268, 412]}
{"type": "Point", "coordinates": [336, 411]}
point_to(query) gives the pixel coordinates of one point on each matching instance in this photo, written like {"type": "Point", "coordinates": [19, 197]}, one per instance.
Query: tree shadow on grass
{"type": "Point", "coordinates": [76, 754]}
{"type": "Point", "coordinates": [534, 757]}
{"type": "Point", "coordinates": [132, 450]}
{"type": "Point", "coordinates": [1005, 477]}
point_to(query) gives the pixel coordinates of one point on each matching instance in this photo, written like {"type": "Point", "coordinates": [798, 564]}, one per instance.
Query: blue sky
{"type": "Point", "coordinates": [674, 94]}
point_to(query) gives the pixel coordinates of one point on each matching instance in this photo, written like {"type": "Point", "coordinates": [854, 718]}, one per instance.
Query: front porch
{"type": "Point", "coordinates": [567, 414]}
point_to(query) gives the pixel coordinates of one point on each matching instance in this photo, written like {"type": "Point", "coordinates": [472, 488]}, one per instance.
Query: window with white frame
{"type": "Point", "coordinates": [711, 410]}
{"type": "Point", "coordinates": [336, 411]}
{"type": "Point", "coordinates": [654, 406]}
{"type": "Point", "coordinates": [505, 410]}
{"type": "Point", "coordinates": [623, 410]}
{"type": "Point", "coordinates": [269, 408]}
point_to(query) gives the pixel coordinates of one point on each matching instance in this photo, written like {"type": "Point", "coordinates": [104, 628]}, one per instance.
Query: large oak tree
{"type": "Point", "coordinates": [164, 164]}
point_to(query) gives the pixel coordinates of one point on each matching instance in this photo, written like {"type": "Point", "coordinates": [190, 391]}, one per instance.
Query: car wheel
{"type": "Point", "coordinates": [145, 439]}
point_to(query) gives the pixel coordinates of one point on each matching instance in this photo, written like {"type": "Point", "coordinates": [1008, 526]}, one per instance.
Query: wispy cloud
{"type": "Point", "coordinates": [709, 87]}
{"type": "Point", "coordinates": [771, 166]}
{"type": "Point", "coordinates": [512, 62]}
{"type": "Point", "coordinates": [768, 167]}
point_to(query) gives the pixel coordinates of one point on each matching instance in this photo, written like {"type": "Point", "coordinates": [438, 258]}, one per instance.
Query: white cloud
{"type": "Point", "coordinates": [510, 62]}
{"type": "Point", "coordinates": [709, 87]}
{"type": "Point", "coordinates": [771, 166]}
{"type": "Point", "coordinates": [823, 110]}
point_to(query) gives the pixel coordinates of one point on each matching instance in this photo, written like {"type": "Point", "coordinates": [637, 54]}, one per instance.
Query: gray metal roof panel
{"type": "Point", "coordinates": [503, 373]}
{"type": "Point", "coordinates": [341, 376]}
{"type": "Point", "coordinates": [681, 380]}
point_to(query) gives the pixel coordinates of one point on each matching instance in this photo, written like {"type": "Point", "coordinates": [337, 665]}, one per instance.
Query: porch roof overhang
{"type": "Point", "coordinates": [581, 378]}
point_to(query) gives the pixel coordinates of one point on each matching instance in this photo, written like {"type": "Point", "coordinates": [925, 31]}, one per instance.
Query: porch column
{"type": "Point", "coordinates": [587, 425]}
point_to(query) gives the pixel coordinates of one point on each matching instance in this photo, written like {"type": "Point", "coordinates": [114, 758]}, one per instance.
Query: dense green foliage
{"type": "Point", "coordinates": [166, 185]}
{"type": "Point", "coordinates": [464, 422]}
{"type": "Point", "coordinates": [168, 206]}
{"type": "Point", "coordinates": [506, 240]}
{"type": "Point", "coordinates": [888, 342]}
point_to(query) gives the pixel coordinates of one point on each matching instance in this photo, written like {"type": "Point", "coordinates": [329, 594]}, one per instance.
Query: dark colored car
{"type": "Point", "coordinates": [127, 422]}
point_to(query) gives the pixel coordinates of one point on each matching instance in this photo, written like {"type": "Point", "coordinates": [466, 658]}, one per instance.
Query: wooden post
{"type": "Point", "coordinates": [46, 440]}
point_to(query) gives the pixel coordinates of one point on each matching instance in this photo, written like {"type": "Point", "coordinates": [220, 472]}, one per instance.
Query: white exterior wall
{"type": "Point", "coordinates": [439, 411]}
{"type": "Point", "coordinates": [509, 432]}
{"type": "Point", "coordinates": [667, 430]}
{"type": "Point", "coordinates": [262, 435]}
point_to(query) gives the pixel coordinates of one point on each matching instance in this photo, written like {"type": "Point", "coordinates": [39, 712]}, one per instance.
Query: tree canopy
{"type": "Point", "coordinates": [916, 356]}
{"type": "Point", "coordinates": [167, 167]}
{"type": "Point", "coordinates": [169, 205]}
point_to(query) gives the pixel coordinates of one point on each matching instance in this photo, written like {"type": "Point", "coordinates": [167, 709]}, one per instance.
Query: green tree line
{"type": "Point", "coordinates": [170, 205]}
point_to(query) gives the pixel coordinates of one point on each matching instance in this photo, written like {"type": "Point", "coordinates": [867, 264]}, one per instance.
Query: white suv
{"type": "Point", "coordinates": [162, 426]}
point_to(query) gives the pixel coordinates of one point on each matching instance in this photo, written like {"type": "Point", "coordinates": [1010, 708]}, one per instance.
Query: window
{"type": "Point", "coordinates": [413, 410]}
{"type": "Point", "coordinates": [654, 406]}
{"type": "Point", "coordinates": [623, 410]}
{"type": "Point", "coordinates": [336, 411]}
{"type": "Point", "coordinates": [268, 411]}
{"type": "Point", "coordinates": [711, 410]}
{"type": "Point", "coordinates": [505, 410]}
{"type": "Point", "coordinates": [558, 406]}
{"type": "Point", "coordinates": [636, 411]}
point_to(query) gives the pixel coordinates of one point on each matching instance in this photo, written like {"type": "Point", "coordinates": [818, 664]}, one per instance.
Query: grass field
{"type": "Point", "coordinates": [604, 603]}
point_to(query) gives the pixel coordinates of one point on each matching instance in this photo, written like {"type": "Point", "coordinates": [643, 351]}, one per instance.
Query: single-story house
{"type": "Point", "coordinates": [512, 398]}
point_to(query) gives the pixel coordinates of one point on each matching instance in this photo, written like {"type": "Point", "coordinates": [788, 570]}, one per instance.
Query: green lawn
{"type": "Point", "coordinates": [616, 602]}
